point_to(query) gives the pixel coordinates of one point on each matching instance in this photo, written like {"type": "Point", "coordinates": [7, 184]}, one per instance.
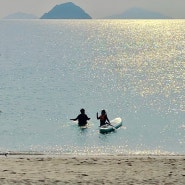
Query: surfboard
{"type": "Point", "coordinates": [115, 124]}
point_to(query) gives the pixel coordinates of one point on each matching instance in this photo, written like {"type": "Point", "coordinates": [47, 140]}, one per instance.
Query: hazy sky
{"type": "Point", "coordinates": [95, 8]}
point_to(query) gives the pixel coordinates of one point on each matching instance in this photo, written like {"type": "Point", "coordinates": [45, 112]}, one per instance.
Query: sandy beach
{"type": "Point", "coordinates": [26, 169]}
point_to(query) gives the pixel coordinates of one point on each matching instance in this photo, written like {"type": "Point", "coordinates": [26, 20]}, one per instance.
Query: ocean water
{"type": "Point", "coordinates": [134, 69]}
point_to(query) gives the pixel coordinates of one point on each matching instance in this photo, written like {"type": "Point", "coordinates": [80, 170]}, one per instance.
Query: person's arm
{"type": "Point", "coordinates": [108, 119]}
{"type": "Point", "coordinates": [87, 118]}
{"type": "Point", "coordinates": [97, 116]}
{"type": "Point", "coordinates": [74, 119]}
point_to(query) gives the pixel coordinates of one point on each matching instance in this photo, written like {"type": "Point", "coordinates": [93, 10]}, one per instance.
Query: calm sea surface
{"type": "Point", "coordinates": [134, 69]}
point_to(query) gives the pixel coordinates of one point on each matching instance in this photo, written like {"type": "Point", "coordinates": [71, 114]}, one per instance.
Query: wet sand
{"type": "Point", "coordinates": [66, 169]}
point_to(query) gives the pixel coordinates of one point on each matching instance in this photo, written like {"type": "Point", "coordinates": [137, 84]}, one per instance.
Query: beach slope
{"type": "Point", "coordinates": [166, 170]}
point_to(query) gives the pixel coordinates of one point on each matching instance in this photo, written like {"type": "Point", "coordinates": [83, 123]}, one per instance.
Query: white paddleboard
{"type": "Point", "coordinates": [114, 124]}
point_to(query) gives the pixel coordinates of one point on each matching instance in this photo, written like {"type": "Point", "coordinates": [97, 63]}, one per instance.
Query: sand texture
{"type": "Point", "coordinates": [165, 170]}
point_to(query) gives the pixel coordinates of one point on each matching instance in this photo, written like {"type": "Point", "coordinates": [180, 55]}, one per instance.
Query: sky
{"type": "Point", "coordinates": [95, 8]}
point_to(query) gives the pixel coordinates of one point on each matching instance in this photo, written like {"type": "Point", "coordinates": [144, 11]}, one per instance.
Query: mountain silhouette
{"type": "Point", "coordinates": [139, 13]}
{"type": "Point", "coordinates": [66, 11]}
{"type": "Point", "coordinates": [20, 15]}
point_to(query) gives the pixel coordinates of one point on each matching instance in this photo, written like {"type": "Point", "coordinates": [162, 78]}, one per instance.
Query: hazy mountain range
{"type": "Point", "coordinates": [71, 11]}
{"type": "Point", "coordinates": [20, 15]}
{"type": "Point", "coordinates": [139, 13]}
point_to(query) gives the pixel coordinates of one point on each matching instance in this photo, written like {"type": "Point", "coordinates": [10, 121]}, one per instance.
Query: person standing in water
{"type": "Point", "coordinates": [103, 118]}
{"type": "Point", "coordinates": [82, 118]}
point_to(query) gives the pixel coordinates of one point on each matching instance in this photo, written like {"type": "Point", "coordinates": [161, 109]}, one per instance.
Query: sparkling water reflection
{"type": "Point", "coordinates": [134, 69]}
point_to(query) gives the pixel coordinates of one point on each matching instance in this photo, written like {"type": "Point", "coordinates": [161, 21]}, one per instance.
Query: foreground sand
{"type": "Point", "coordinates": [165, 170]}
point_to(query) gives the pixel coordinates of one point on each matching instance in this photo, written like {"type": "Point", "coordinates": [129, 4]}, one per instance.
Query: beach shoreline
{"type": "Point", "coordinates": [92, 169]}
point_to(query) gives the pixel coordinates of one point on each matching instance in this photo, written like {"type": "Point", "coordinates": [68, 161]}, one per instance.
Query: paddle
{"type": "Point", "coordinates": [111, 125]}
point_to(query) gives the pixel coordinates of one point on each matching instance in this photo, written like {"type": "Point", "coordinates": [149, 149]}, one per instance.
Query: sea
{"type": "Point", "coordinates": [134, 69]}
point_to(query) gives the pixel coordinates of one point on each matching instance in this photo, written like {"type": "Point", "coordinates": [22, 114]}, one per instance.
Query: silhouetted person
{"type": "Point", "coordinates": [82, 118]}
{"type": "Point", "coordinates": [103, 118]}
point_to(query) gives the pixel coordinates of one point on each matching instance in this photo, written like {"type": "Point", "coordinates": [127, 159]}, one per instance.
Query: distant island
{"type": "Point", "coordinates": [20, 15]}
{"type": "Point", "coordinates": [71, 11]}
{"type": "Point", "coordinates": [66, 11]}
{"type": "Point", "coordinates": [139, 13]}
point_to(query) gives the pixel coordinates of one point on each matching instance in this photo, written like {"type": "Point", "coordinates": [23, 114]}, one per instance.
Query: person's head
{"type": "Point", "coordinates": [82, 111]}
{"type": "Point", "coordinates": [103, 112]}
